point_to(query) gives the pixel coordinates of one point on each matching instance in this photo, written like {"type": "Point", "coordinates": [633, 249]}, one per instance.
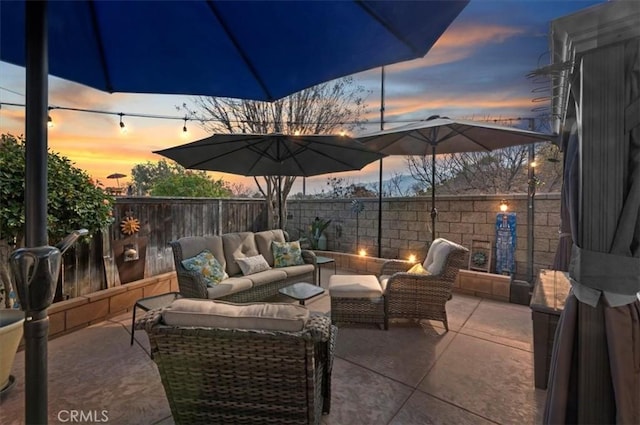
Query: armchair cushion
{"type": "Point", "coordinates": [206, 264]}
{"type": "Point", "coordinates": [438, 253]}
{"type": "Point", "coordinates": [286, 254]}
{"type": "Point", "coordinates": [218, 314]}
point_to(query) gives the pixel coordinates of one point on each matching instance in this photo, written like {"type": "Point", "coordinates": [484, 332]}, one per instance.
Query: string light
{"type": "Point", "coordinates": [412, 258]}
{"type": "Point", "coordinates": [504, 205]}
{"type": "Point", "coordinates": [208, 119]}
{"type": "Point", "coordinates": [363, 252]}
{"type": "Point", "coordinates": [123, 128]}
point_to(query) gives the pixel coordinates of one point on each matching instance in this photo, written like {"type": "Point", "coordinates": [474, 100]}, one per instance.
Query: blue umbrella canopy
{"type": "Point", "coordinates": [260, 50]}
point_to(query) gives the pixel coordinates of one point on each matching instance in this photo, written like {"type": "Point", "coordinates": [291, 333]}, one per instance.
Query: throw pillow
{"type": "Point", "coordinates": [251, 265]}
{"type": "Point", "coordinates": [286, 254]}
{"type": "Point", "coordinates": [206, 264]}
{"type": "Point", "coordinates": [418, 269]}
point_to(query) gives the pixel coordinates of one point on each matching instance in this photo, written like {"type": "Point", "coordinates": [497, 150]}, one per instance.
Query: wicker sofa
{"type": "Point", "coordinates": [227, 248]}
{"type": "Point", "coordinates": [259, 363]}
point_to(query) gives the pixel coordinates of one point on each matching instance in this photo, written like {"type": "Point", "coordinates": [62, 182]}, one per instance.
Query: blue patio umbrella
{"type": "Point", "coordinates": [254, 50]}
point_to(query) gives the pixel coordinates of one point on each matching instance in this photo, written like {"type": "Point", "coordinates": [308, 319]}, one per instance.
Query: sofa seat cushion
{"type": "Point", "coordinates": [267, 276]}
{"type": "Point", "coordinates": [354, 286]}
{"type": "Point", "coordinates": [229, 286]}
{"type": "Point", "coordinates": [264, 240]}
{"type": "Point", "coordinates": [238, 245]}
{"type": "Point", "coordinates": [293, 271]}
{"type": "Point", "coordinates": [219, 314]}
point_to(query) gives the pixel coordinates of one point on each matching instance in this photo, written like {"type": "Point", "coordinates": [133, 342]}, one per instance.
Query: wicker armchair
{"type": "Point", "coordinates": [233, 376]}
{"type": "Point", "coordinates": [422, 296]}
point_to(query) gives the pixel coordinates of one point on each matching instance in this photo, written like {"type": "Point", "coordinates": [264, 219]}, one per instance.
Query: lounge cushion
{"type": "Point", "coordinates": [286, 254]}
{"type": "Point", "coordinates": [264, 240]}
{"type": "Point", "coordinates": [207, 265]}
{"type": "Point", "coordinates": [238, 245]}
{"type": "Point", "coordinates": [354, 286]}
{"type": "Point", "coordinates": [218, 314]}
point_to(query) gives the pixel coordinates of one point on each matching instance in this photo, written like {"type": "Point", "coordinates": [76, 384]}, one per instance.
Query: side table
{"type": "Point", "coordinates": [301, 291]}
{"type": "Point", "coordinates": [149, 303]}
{"type": "Point", "coordinates": [320, 260]}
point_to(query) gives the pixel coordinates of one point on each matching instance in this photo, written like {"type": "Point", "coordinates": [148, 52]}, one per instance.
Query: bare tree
{"type": "Point", "coordinates": [322, 109]}
{"type": "Point", "coordinates": [499, 171]}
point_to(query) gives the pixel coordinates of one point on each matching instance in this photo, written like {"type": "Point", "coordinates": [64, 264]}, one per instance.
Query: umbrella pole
{"type": "Point", "coordinates": [434, 211]}
{"type": "Point", "coordinates": [279, 194]}
{"type": "Point", "coordinates": [36, 325]}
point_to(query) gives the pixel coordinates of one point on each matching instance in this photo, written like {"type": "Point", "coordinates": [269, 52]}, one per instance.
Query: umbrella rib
{"type": "Point", "coordinates": [386, 26]}
{"type": "Point", "coordinates": [463, 133]}
{"type": "Point", "coordinates": [101, 51]}
{"type": "Point", "coordinates": [240, 51]}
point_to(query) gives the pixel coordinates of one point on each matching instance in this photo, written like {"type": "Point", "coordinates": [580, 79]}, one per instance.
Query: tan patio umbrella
{"type": "Point", "coordinates": [441, 135]}
{"type": "Point", "coordinates": [273, 155]}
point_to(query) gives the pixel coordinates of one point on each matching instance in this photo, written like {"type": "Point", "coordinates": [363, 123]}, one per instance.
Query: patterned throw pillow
{"type": "Point", "coordinates": [286, 254]}
{"type": "Point", "coordinates": [418, 269]}
{"type": "Point", "coordinates": [206, 264]}
{"type": "Point", "coordinates": [251, 265]}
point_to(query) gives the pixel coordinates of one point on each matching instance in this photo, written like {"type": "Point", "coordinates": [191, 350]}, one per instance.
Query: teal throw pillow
{"type": "Point", "coordinates": [286, 254]}
{"type": "Point", "coordinates": [206, 264]}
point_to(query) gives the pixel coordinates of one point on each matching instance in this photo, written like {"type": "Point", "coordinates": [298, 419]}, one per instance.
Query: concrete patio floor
{"type": "Point", "coordinates": [480, 372]}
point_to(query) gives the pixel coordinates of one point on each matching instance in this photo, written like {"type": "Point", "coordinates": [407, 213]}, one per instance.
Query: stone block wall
{"type": "Point", "coordinates": [406, 225]}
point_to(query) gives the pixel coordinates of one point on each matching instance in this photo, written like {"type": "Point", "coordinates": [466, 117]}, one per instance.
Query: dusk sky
{"type": "Point", "coordinates": [477, 70]}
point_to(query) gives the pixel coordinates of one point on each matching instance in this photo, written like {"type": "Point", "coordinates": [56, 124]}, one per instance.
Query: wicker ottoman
{"type": "Point", "coordinates": [357, 299]}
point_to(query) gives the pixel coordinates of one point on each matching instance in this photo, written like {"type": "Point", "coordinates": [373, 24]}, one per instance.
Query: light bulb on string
{"type": "Point", "coordinates": [49, 119]}
{"type": "Point", "coordinates": [123, 128]}
{"type": "Point", "coordinates": [185, 132]}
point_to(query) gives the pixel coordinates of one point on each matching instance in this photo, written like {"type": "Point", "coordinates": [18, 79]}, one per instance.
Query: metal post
{"type": "Point", "coordinates": [434, 210]}
{"type": "Point", "coordinates": [380, 174]}
{"type": "Point", "coordinates": [36, 325]}
{"type": "Point", "coordinates": [531, 191]}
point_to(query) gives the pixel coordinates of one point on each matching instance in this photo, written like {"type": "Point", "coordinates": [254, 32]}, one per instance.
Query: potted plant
{"type": "Point", "coordinates": [11, 325]}
{"type": "Point", "coordinates": [315, 233]}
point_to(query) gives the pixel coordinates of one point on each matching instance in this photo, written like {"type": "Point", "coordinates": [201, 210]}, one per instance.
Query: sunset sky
{"type": "Point", "coordinates": [476, 70]}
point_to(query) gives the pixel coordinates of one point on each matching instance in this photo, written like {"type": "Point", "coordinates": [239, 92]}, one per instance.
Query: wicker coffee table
{"type": "Point", "coordinates": [301, 291]}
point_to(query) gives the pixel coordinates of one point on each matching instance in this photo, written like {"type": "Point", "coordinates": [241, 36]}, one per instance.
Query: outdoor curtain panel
{"type": "Point", "coordinates": [595, 366]}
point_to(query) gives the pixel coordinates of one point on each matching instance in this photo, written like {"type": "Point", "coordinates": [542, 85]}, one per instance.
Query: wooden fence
{"type": "Point", "coordinates": [92, 266]}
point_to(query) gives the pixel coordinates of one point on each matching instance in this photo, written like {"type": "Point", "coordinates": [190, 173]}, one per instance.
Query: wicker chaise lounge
{"type": "Point", "coordinates": [231, 375]}
{"type": "Point", "coordinates": [423, 296]}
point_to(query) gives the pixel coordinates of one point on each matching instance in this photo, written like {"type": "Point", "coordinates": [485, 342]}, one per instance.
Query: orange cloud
{"type": "Point", "coordinates": [459, 42]}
